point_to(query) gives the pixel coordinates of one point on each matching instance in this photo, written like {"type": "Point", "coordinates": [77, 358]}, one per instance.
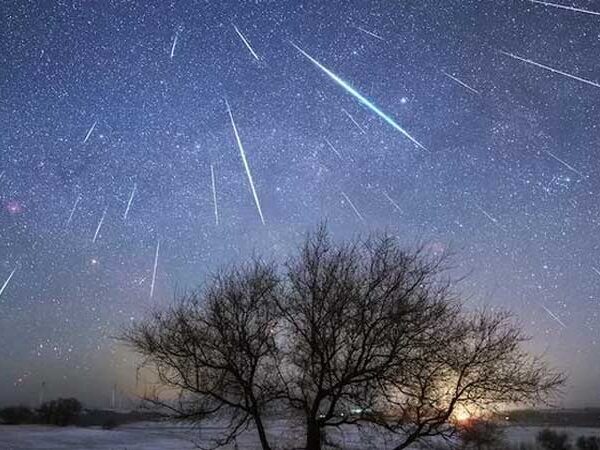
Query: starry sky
{"type": "Point", "coordinates": [117, 138]}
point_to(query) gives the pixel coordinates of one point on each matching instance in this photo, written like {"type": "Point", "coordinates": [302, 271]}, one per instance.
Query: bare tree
{"type": "Point", "coordinates": [476, 363]}
{"type": "Point", "coordinates": [352, 333]}
{"type": "Point", "coordinates": [354, 316]}
{"type": "Point", "coordinates": [374, 334]}
{"type": "Point", "coordinates": [216, 350]}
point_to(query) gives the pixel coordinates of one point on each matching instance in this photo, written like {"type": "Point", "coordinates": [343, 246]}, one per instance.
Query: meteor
{"type": "Point", "coordinates": [154, 271]}
{"type": "Point", "coordinates": [391, 200]}
{"type": "Point", "coordinates": [570, 8]}
{"type": "Point", "coordinates": [90, 131]}
{"type": "Point", "coordinates": [100, 225]}
{"type": "Point", "coordinates": [486, 214]}
{"type": "Point", "coordinates": [461, 83]}
{"type": "Point", "coordinates": [370, 33]}
{"type": "Point", "coordinates": [246, 166]}
{"type": "Point", "coordinates": [596, 270]}
{"type": "Point", "coordinates": [359, 215]}
{"type": "Point", "coordinates": [554, 316]}
{"type": "Point", "coordinates": [7, 281]}
{"type": "Point", "coordinates": [214, 192]}
{"type": "Point", "coordinates": [333, 149]}
{"type": "Point", "coordinates": [129, 202]}
{"type": "Point", "coordinates": [246, 43]}
{"type": "Point", "coordinates": [77, 200]}
{"type": "Point", "coordinates": [568, 166]}
{"type": "Point", "coordinates": [362, 130]}
{"type": "Point", "coordinates": [173, 47]}
{"type": "Point", "coordinates": [359, 97]}
{"type": "Point", "coordinates": [551, 69]}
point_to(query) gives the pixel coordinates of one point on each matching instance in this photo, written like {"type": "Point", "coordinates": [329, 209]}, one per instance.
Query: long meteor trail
{"type": "Point", "coordinates": [362, 130]}
{"type": "Point", "coordinates": [568, 166]}
{"type": "Point", "coordinates": [463, 84]}
{"type": "Point", "coordinates": [551, 69]}
{"type": "Point", "coordinates": [569, 8]}
{"type": "Point", "coordinates": [214, 193]}
{"type": "Point", "coordinates": [77, 200]}
{"type": "Point", "coordinates": [90, 131]}
{"type": "Point", "coordinates": [246, 43]}
{"type": "Point", "coordinates": [370, 33]}
{"type": "Point", "coordinates": [333, 149]}
{"type": "Point", "coordinates": [129, 202]}
{"type": "Point", "coordinates": [554, 316]}
{"type": "Point", "coordinates": [154, 270]}
{"type": "Point", "coordinates": [360, 97]}
{"type": "Point", "coordinates": [174, 45]}
{"type": "Point", "coordinates": [246, 166]}
{"type": "Point", "coordinates": [100, 225]}
{"type": "Point", "coordinates": [358, 214]}
{"type": "Point", "coordinates": [7, 281]}
{"type": "Point", "coordinates": [391, 200]}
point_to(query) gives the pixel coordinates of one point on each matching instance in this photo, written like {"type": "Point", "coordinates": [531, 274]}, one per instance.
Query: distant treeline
{"type": "Point", "coordinates": [587, 417]}
{"type": "Point", "coordinates": [69, 411]}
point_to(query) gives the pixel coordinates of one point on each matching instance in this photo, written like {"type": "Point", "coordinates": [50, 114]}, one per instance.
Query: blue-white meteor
{"type": "Point", "coordinates": [360, 97]}
{"type": "Point", "coordinates": [245, 162]}
{"type": "Point", "coordinates": [7, 281]}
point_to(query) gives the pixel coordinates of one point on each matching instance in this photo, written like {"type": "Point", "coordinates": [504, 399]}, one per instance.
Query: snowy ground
{"type": "Point", "coordinates": [164, 436]}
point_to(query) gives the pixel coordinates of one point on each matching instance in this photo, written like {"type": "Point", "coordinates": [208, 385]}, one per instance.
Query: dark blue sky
{"type": "Point", "coordinates": [509, 179]}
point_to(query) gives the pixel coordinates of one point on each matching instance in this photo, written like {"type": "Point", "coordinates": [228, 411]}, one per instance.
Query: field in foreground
{"type": "Point", "coordinates": [164, 436]}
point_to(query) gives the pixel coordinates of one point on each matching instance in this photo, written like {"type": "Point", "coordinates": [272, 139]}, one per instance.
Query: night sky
{"type": "Point", "coordinates": [467, 125]}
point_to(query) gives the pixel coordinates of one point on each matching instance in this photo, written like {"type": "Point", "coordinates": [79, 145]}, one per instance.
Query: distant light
{"type": "Point", "coordinates": [14, 207]}
{"type": "Point", "coordinates": [404, 100]}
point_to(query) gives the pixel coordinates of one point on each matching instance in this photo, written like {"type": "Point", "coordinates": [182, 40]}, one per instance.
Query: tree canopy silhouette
{"type": "Point", "coordinates": [362, 332]}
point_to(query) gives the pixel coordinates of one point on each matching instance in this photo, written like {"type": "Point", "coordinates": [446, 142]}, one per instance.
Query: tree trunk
{"type": "Point", "coordinates": [313, 435]}
{"type": "Point", "coordinates": [262, 435]}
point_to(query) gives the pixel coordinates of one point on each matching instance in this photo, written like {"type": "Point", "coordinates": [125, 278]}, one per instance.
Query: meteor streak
{"type": "Point", "coordinates": [7, 281]}
{"type": "Point", "coordinates": [391, 200]}
{"type": "Point", "coordinates": [129, 202]}
{"type": "Point", "coordinates": [568, 166]}
{"type": "Point", "coordinates": [246, 43]}
{"type": "Point", "coordinates": [214, 192]}
{"type": "Point", "coordinates": [333, 149]}
{"type": "Point", "coordinates": [570, 8]}
{"type": "Point", "coordinates": [100, 225]}
{"type": "Point", "coordinates": [359, 215]}
{"type": "Point", "coordinates": [154, 271]}
{"type": "Point", "coordinates": [173, 47]}
{"type": "Point", "coordinates": [359, 97]}
{"type": "Point", "coordinates": [596, 270]}
{"type": "Point", "coordinates": [461, 83]}
{"type": "Point", "coordinates": [554, 316]}
{"type": "Point", "coordinates": [362, 130]}
{"type": "Point", "coordinates": [246, 166]}
{"type": "Point", "coordinates": [551, 69]}
{"type": "Point", "coordinates": [90, 131]}
{"type": "Point", "coordinates": [486, 214]}
{"type": "Point", "coordinates": [77, 200]}
{"type": "Point", "coordinates": [370, 33]}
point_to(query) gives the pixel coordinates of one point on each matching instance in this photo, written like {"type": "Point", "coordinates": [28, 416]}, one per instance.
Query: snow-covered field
{"type": "Point", "coordinates": [165, 436]}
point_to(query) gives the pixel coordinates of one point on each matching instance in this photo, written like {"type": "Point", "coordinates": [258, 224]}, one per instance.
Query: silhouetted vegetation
{"type": "Point", "coordinates": [588, 443]}
{"type": "Point", "coordinates": [552, 440]}
{"type": "Point", "coordinates": [350, 333]}
{"type": "Point", "coordinates": [61, 412]}
{"type": "Point", "coordinates": [16, 415]}
{"type": "Point", "coordinates": [481, 434]}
